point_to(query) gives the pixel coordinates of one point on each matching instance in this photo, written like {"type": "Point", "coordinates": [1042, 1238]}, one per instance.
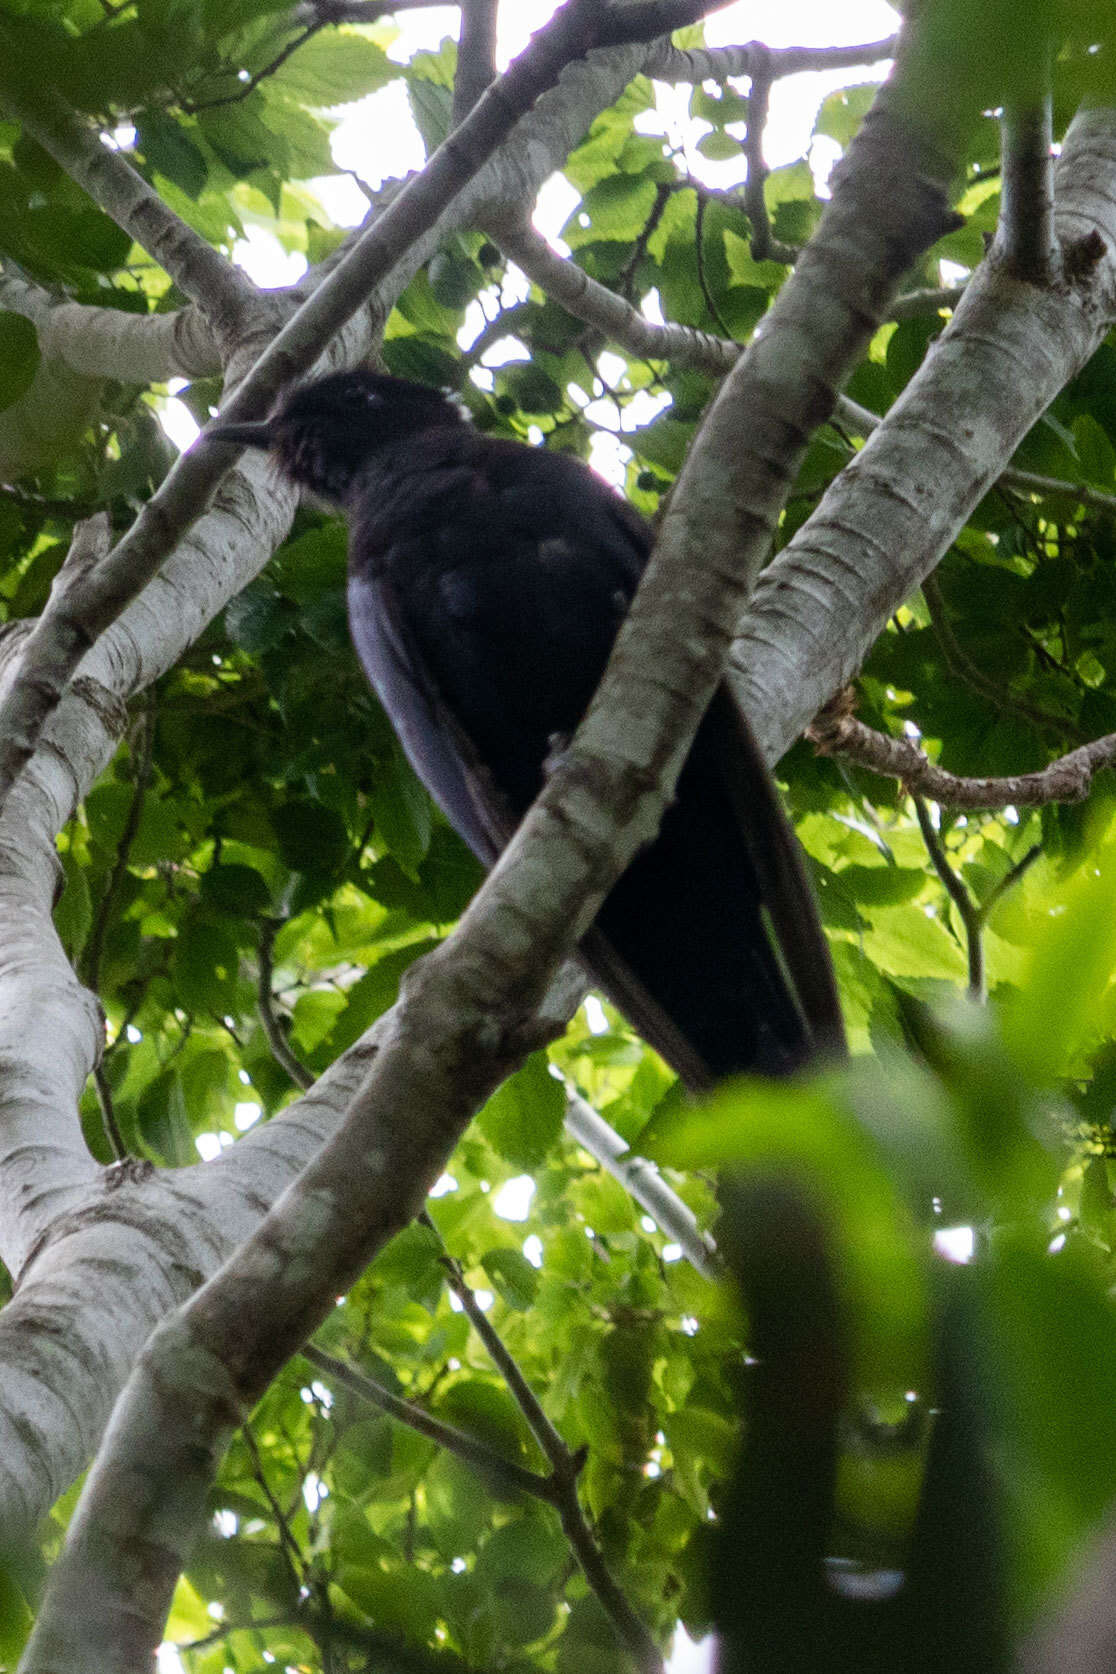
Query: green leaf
{"type": "Point", "coordinates": [513, 1277]}
{"type": "Point", "coordinates": [1060, 1011]}
{"type": "Point", "coordinates": [19, 357]}
{"type": "Point", "coordinates": [523, 1118]}
{"type": "Point", "coordinates": [206, 960]}
{"type": "Point", "coordinates": [334, 68]}
{"type": "Point", "coordinates": [402, 812]}
{"type": "Point", "coordinates": [171, 152]}
{"type": "Point", "coordinates": [842, 112]}
{"type": "Point", "coordinates": [237, 890]}
{"type": "Point", "coordinates": [73, 916]}
{"type": "Point", "coordinates": [719, 147]}
{"type": "Point", "coordinates": [164, 1121]}
{"type": "Point", "coordinates": [311, 838]}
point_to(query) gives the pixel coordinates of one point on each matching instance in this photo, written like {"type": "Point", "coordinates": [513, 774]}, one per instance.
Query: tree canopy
{"type": "Point", "coordinates": [560, 1393]}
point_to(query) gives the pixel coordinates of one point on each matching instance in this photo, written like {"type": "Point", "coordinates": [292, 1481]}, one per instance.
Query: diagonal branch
{"type": "Point", "coordinates": [565, 1468]}
{"type": "Point", "coordinates": [884, 525]}
{"type": "Point", "coordinates": [202, 273]}
{"type": "Point", "coordinates": [477, 1453]}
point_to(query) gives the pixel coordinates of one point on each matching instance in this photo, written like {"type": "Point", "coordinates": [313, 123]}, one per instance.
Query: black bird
{"type": "Point", "coordinates": [487, 581]}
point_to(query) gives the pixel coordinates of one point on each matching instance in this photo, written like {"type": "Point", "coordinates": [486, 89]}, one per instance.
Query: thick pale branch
{"type": "Point", "coordinates": [698, 64]}
{"type": "Point", "coordinates": [108, 343]}
{"type": "Point", "coordinates": [883, 526]}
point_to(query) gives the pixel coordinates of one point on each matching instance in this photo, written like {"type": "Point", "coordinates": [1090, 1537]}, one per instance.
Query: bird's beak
{"type": "Point", "coordinates": [258, 435]}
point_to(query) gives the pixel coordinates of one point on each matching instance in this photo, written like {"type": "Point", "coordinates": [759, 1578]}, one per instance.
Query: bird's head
{"type": "Point", "coordinates": [323, 433]}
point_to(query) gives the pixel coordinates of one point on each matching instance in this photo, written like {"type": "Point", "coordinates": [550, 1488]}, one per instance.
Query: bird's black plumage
{"type": "Point", "coordinates": [487, 581]}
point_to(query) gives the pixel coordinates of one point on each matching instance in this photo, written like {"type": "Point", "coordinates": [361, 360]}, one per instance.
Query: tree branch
{"type": "Point", "coordinates": [565, 1468]}
{"type": "Point", "coordinates": [763, 246]}
{"type": "Point", "coordinates": [223, 293]}
{"type": "Point", "coordinates": [698, 64]}
{"type": "Point", "coordinates": [476, 1453]}
{"type": "Point", "coordinates": [1026, 243]}
{"type": "Point", "coordinates": [967, 909]}
{"type": "Point", "coordinates": [108, 343]}
{"type": "Point", "coordinates": [883, 526]}
{"type": "Point", "coordinates": [642, 1180]}
{"type": "Point", "coordinates": [837, 732]}
{"type": "Point", "coordinates": [265, 1005]}
{"type": "Point", "coordinates": [476, 55]}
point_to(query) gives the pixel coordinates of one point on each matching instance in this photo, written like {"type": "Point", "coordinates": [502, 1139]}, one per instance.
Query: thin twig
{"type": "Point", "coordinates": [565, 1467]}
{"type": "Point", "coordinates": [288, 1545]}
{"type": "Point", "coordinates": [835, 731]}
{"type": "Point", "coordinates": [265, 1005]}
{"type": "Point", "coordinates": [967, 908]}
{"type": "Point", "coordinates": [467, 1448]}
{"type": "Point", "coordinates": [192, 106]}
{"type": "Point", "coordinates": [961, 664]}
{"type": "Point", "coordinates": [1010, 878]}
{"type": "Point", "coordinates": [113, 1133]}
{"type": "Point", "coordinates": [764, 246]}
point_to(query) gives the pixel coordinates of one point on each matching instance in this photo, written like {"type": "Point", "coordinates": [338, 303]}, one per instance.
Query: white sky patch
{"type": "Point", "coordinates": [554, 205]}
{"type": "Point", "coordinates": [378, 139]}
{"type": "Point", "coordinates": [689, 1656]}
{"type": "Point", "coordinates": [178, 422]}
{"type": "Point", "coordinates": [483, 1299]}
{"type": "Point", "coordinates": [513, 1200]}
{"type": "Point", "coordinates": [595, 1015]}
{"type": "Point", "coordinates": [208, 1146]}
{"type": "Point", "coordinates": [609, 457]}
{"type": "Point", "coordinates": [314, 1491]}
{"type": "Point", "coordinates": [168, 1661]}
{"type": "Point", "coordinates": [340, 197]}
{"type": "Point", "coordinates": [533, 1250]}
{"type": "Point", "coordinates": [264, 259]}
{"type": "Point", "coordinates": [443, 1185]}
{"type": "Point", "coordinates": [955, 1243]}
{"type": "Point", "coordinates": [246, 1115]}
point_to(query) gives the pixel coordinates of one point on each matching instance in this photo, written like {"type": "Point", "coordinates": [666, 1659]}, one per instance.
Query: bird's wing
{"type": "Point", "coordinates": [785, 889]}
{"type": "Point", "coordinates": [432, 740]}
